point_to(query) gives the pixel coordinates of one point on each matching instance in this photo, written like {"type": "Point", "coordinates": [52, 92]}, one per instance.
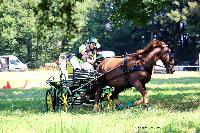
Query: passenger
{"type": "Point", "coordinates": [86, 55]}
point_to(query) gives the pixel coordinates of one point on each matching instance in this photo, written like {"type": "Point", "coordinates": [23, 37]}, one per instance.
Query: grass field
{"type": "Point", "coordinates": [174, 108]}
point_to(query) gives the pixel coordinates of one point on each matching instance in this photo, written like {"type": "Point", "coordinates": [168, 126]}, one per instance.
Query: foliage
{"type": "Point", "coordinates": [66, 15]}
{"type": "Point", "coordinates": [38, 30]}
{"type": "Point", "coordinates": [173, 25]}
{"type": "Point", "coordinates": [17, 27]}
{"type": "Point", "coordinates": [192, 21]}
{"type": "Point", "coordinates": [123, 39]}
{"type": "Point", "coordinates": [137, 11]}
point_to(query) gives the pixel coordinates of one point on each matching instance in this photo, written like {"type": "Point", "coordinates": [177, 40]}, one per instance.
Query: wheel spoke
{"type": "Point", "coordinates": [64, 102]}
{"type": "Point", "coordinates": [109, 105]}
{"type": "Point", "coordinates": [49, 101]}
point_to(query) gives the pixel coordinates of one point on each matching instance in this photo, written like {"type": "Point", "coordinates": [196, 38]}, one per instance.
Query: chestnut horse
{"type": "Point", "coordinates": [133, 70]}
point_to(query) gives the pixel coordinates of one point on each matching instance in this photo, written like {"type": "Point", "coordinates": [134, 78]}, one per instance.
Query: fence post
{"type": "Point", "coordinates": [199, 61]}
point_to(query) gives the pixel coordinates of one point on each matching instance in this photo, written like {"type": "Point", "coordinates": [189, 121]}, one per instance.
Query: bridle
{"type": "Point", "coordinates": [170, 65]}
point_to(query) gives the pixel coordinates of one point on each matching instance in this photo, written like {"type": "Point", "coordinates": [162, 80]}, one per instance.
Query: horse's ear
{"type": "Point", "coordinates": [162, 44]}
{"type": "Point", "coordinates": [155, 43]}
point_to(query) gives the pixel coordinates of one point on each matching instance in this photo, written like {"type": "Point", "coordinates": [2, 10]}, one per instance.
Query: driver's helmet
{"type": "Point", "coordinates": [93, 43]}
{"type": "Point", "coordinates": [92, 40]}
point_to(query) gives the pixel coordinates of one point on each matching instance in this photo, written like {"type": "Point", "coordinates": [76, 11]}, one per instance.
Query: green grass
{"type": "Point", "coordinates": [174, 108]}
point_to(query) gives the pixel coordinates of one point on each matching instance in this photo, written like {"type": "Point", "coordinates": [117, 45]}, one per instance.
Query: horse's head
{"type": "Point", "coordinates": [168, 58]}
{"type": "Point", "coordinates": [156, 50]}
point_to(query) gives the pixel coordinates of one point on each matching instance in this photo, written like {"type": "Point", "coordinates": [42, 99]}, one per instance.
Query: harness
{"type": "Point", "coordinates": [136, 67]}
{"type": "Point", "coordinates": [127, 71]}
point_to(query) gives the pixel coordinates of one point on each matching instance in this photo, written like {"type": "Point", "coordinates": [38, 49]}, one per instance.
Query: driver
{"type": "Point", "coordinates": [86, 55]}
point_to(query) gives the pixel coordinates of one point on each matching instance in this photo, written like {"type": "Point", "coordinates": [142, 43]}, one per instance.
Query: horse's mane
{"type": "Point", "coordinates": [153, 44]}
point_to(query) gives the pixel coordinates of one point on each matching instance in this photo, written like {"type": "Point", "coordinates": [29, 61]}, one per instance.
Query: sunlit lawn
{"type": "Point", "coordinates": [174, 108]}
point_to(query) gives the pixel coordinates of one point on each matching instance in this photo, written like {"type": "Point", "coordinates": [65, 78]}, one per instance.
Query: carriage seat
{"type": "Point", "coordinates": [81, 74]}
{"type": "Point", "coordinates": [78, 74]}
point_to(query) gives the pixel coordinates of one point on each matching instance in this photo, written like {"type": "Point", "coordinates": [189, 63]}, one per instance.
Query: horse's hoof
{"type": "Point", "coordinates": [96, 108]}
{"type": "Point", "coordinates": [147, 107]}
{"type": "Point", "coordinates": [129, 104]}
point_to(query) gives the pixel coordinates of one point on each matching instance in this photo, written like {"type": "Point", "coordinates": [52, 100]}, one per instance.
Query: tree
{"type": "Point", "coordinates": [17, 28]}
{"type": "Point", "coordinates": [66, 15]}
{"type": "Point", "coordinates": [137, 11]}
{"type": "Point", "coordinates": [175, 24]}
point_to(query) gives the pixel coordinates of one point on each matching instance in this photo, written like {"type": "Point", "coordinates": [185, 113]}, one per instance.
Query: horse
{"type": "Point", "coordinates": [132, 70]}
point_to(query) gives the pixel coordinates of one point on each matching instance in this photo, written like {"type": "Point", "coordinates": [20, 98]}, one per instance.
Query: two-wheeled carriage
{"type": "Point", "coordinates": [79, 89]}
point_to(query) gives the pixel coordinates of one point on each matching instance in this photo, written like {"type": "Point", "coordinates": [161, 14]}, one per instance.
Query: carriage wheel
{"type": "Point", "coordinates": [106, 104]}
{"type": "Point", "coordinates": [109, 102]}
{"type": "Point", "coordinates": [49, 100]}
{"type": "Point", "coordinates": [64, 102]}
{"type": "Point", "coordinates": [99, 105]}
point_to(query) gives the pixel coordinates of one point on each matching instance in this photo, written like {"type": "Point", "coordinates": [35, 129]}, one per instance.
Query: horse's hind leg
{"type": "Point", "coordinates": [114, 96]}
{"type": "Point", "coordinates": [143, 84]}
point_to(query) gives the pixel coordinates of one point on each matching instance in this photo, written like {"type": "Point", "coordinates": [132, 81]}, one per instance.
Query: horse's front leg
{"type": "Point", "coordinates": [138, 85]}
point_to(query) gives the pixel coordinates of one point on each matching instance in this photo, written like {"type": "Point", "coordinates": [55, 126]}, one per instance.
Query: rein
{"type": "Point", "coordinates": [167, 53]}
{"type": "Point", "coordinates": [125, 69]}
{"type": "Point", "coordinates": [137, 56]}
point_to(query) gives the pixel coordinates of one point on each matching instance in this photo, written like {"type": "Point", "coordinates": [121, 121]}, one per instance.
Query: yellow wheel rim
{"type": "Point", "coordinates": [50, 102]}
{"type": "Point", "coordinates": [99, 106]}
{"type": "Point", "coordinates": [64, 102]}
{"type": "Point", "coordinates": [109, 105]}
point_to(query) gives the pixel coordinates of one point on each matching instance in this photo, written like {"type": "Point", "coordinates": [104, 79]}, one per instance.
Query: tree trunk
{"type": "Point", "coordinates": [29, 52]}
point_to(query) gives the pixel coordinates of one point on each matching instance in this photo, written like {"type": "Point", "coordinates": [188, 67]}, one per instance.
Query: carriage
{"type": "Point", "coordinates": [76, 87]}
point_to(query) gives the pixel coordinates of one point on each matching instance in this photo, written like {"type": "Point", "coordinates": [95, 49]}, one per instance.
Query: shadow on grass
{"type": "Point", "coordinates": [182, 80]}
{"type": "Point", "coordinates": [23, 100]}
{"type": "Point", "coordinates": [183, 99]}
{"type": "Point", "coordinates": [178, 102]}
{"type": "Point", "coordinates": [34, 99]}
{"type": "Point", "coordinates": [174, 128]}
{"type": "Point", "coordinates": [174, 98]}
